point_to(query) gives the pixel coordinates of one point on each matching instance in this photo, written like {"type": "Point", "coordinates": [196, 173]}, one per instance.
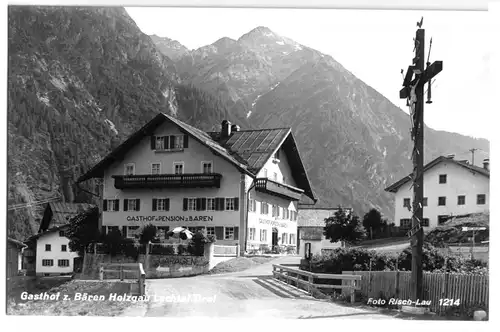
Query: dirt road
{"type": "Point", "coordinates": [251, 293]}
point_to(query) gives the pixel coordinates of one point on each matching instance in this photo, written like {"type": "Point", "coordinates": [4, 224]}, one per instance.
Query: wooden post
{"type": "Point", "coordinates": [309, 286]}
{"type": "Point", "coordinates": [121, 272]}
{"type": "Point", "coordinates": [101, 273]}
{"type": "Point", "coordinates": [353, 291]}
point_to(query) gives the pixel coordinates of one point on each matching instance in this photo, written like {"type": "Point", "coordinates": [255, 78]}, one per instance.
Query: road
{"type": "Point", "coordinates": [251, 293]}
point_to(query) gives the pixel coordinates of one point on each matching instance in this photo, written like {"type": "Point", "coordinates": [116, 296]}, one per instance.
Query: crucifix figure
{"type": "Point", "coordinates": [413, 91]}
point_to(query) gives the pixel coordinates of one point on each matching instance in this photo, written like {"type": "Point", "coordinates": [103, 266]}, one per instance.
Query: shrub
{"type": "Point", "coordinates": [182, 249]}
{"type": "Point", "coordinates": [113, 241]}
{"type": "Point", "coordinates": [148, 234]}
{"type": "Point", "coordinates": [130, 248]}
{"type": "Point", "coordinates": [196, 246]}
{"type": "Point", "coordinates": [162, 249]}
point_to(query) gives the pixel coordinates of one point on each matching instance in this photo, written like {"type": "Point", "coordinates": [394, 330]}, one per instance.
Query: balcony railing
{"type": "Point", "coordinates": [278, 189]}
{"type": "Point", "coordinates": [200, 180]}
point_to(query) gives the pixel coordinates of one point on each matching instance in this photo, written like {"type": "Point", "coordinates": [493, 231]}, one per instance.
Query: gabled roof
{"type": "Point", "coordinates": [474, 169]}
{"type": "Point", "coordinates": [316, 217]}
{"type": "Point", "coordinates": [17, 243]}
{"type": "Point", "coordinates": [247, 150]}
{"type": "Point", "coordinates": [59, 213]}
{"type": "Point", "coordinates": [48, 231]}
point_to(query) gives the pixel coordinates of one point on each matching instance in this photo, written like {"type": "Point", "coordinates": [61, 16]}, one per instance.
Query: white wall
{"type": "Point", "coordinates": [317, 245]}
{"type": "Point", "coordinates": [460, 181]}
{"type": "Point", "coordinates": [55, 254]}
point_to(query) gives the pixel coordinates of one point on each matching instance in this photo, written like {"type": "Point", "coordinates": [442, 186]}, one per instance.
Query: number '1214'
{"type": "Point", "coordinates": [449, 302]}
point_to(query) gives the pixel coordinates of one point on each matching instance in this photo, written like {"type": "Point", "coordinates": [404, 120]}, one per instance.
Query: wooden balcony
{"type": "Point", "coordinates": [278, 189]}
{"type": "Point", "coordinates": [200, 180]}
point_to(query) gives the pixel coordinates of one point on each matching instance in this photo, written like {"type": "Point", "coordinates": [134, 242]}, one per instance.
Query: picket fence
{"type": "Point", "coordinates": [472, 290]}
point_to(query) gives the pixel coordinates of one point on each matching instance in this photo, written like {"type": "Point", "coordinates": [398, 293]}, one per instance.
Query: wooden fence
{"type": "Point", "coordinates": [312, 282]}
{"type": "Point", "coordinates": [124, 271]}
{"type": "Point", "coordinates": [472, 290]}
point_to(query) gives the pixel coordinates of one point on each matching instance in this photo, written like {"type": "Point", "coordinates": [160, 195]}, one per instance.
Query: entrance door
{"type": "Point", "coordinates": [275, 237]}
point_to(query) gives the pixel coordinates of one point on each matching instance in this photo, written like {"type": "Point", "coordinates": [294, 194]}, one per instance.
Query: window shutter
{"type": "Point", "coordinates": [236, 233]}
{"type": "Point", "coordinates": [172, 141]}
{"type": "Point", "coordinates": [218, 205]}
{"type": "Point", "coordinates": [198, 204]}
{"type": "Point", "coordinates": [117, 205]}
{"type": "Point", "coordinates": [105, 205]}
{"type": "Point", "coordinates": [186, 140]}
{"type": "Point", "coordinates": [154, 204]}
{"type": "Point", "coordinates": [185, 204]}
{"type": "Point", "coordinates": [138, 204]}
{"type": "Point", "coordinates": [166, 203]}
{"type": "Point", "coordinates": [203, 204]}
{"type": "Point", "coordinates": [125, 205]}
{"type": "Point", "coordinates": [219, 233]}
{"type": "Point", "coordinates": [153, 142]}
{"type": "Point", "coordinates": [236, 203]}
{"type": "Point", "coordinates": [124, 231]}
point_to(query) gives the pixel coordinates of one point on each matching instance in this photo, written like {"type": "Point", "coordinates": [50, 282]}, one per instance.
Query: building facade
{"type": "Point", "coordinates": [53, 256]}
{"type": "Point", "coordinates": [14, 257]}
{"type": "Point", "coordinates": [451, 187]}
{"type": "Point", "coordinates": [242, 186]}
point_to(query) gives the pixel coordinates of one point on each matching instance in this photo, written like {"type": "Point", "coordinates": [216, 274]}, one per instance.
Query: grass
{"type": "Point", "coordinates": [240, 264]}
{"type": "Point", "coordinates": [71, 307]}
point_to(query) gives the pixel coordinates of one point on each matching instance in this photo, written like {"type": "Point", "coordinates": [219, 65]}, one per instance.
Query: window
{"type": "Point", "coordinates": [129, 169]}
{"type": "Point", "coordinates": [160, 142]}
{"type": "Point", "coordinates": [191, 204]}
{"type": "Point", "coordinates": [286, 214]}
{"type": "Point", "coordinates": [442, 201]}
{"type": "Point", "coordinates": [264, 208]}
{"type": "Point", "coordinates": [63, 262]}
{"type": "Point", "coordinates": [442, 178]}
{"type": "Point", "coordinates": [61, 234]}
{"type": "Point", "coordinates": [112, 229]}
{"type": "Point", "coordinates": [284, 238]}
{"type": "Point", "coordinates": [178, 167]}
{"type": "Point", "coordinates": [292, 239]}
{"type": "Point", "coordinates": [274, 211]}
{"type": "Point", "coordinates": [228, 233]}
{"type": "Point", "coordinates": [64, 247]}
{"type": "Point", "coordinates": [264, 173]}
{"type": "Point", "coordinates": [481, 199]}
{"type": "Point", "coordinates": [425, 222]}
{"type": "Point", "coordinates": [251, 205]}
{"type": "Point", "coordinates": [155, 168]}
{"type": "Point", "coordinates": [210, 204]}
{"type": "Point", "coordinates": [132, 231]}
{"type": "Point", "coordinates": [162, 232]}
{"type": "Point", "coordinates": [131, 204]}
{"type": "Point", "coordinates": [179, 142]}
{"type": "Point", "coordinates": [275, 176]}
{"type": "Point", "coordinates": [230, 204]}
{"type": "Point", "coordinates": [405, 223]}
{"type": "Point", "coordinates": [48, 247]}
{"type": "Point", "coordinates": [47, 262]}
{"type": "Point", "coordinates": [442, 219]}
{"type": "Point", "coordinates": [425, 201]}
{"type": "Point", "coordinates": [406, 203]}
{"type": "Point", "coordinates": [161, 204]}
{"type": "Point", "coordinates": [206, 167]}
{"type": "Point", "coordinates": [461, 200]}
{"type": "Point", "coordinates": [111, 205]}
{"type": "Point", "coordinates": [211, 231]}
{"type": "Point", "coordinates": [251, 234]}
{"type": "Point", "coordinates": [263, 235]}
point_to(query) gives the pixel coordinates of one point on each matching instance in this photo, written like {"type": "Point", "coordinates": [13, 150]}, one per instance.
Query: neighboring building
{"type": "Point", "coordinates": [14, 257]}
{"type": "Point", "coordinates": [242, 186]}
{"type": "Point", "coordinates": [451, 187]}
{"type": "Point", "coordinates": [50, 246]}
{"type": "Point", "coordinates": [311, 225]}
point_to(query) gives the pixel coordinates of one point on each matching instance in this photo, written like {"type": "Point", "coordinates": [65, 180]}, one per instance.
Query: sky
{"type": "Point", "coordinates": [373, 44]}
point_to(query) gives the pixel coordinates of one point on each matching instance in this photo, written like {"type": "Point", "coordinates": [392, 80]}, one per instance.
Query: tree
{"type": "Point", "coordinates": [83, 230]}
{"type": "Point", "coordinates": [148, 233]}
{"type": "Point", "coordinates": [373, 221]}
{"type": "Point", "coordinates": [344, 227]}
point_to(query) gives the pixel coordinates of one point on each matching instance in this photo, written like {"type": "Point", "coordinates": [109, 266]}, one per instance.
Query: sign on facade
{"type": "Point", "coordinates": [170, 218]}
{"type": "Point", "coordinates": [273, 223]}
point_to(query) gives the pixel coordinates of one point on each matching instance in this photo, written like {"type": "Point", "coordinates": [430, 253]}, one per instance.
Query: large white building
{"type": "Point", "coordinates": [243, 186]}
{"type": "Point", "coordinates": [451, 187]}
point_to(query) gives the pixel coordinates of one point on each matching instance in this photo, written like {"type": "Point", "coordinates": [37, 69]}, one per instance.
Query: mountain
{"type": "Point", "coordinates": [353, 140]}
{"type": "Point", "coordinates": [171, 48]}
{"type": "Point", "coordinates": [81, 80]}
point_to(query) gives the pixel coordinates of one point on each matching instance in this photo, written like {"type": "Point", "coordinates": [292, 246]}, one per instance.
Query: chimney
{"type": "Point", "coordinates": [465, 161]}
{"type": "Point", "coordinates": [486, 164]}
{"type": "Point", "coordinates": [226, 129]}
{"type": "Point", "coordinates": [235, 128]}
{"type": "Point", "coordinates": [450, 156]}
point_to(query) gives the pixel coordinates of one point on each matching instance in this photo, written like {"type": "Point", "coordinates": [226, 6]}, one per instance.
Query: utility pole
{"type": "Point", "coordinates": [413, 91]}
{"type": "Point", "coordinates": [472, 151]}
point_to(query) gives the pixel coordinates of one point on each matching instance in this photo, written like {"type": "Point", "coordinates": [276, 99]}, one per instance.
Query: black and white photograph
{"type": "Point", "coordinates": [323, 164]}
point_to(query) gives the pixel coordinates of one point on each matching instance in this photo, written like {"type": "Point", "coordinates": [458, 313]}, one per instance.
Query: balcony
{"type": "Point", "coordinates": [200, 180]}
{"type": "Point", "coordinates": [278, 189]}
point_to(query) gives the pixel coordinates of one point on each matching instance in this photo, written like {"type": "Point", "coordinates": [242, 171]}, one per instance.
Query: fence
{"type": "Point", "coordinates": [471, 290]}
{"type": "Point", "coordinates": [120, 271]}
{"type": "Point", "coordinates": [311, 282]}
{"type": "Point", "coordinates": [151, 248]}
{"type": "Point", "coordinates": [227, 251]}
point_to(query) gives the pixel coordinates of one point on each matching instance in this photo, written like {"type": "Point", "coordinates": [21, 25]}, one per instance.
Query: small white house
{"type": "Point", "coordinates": [451, 187]}
{"type": "Point", "coordinates": [50, 245]}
